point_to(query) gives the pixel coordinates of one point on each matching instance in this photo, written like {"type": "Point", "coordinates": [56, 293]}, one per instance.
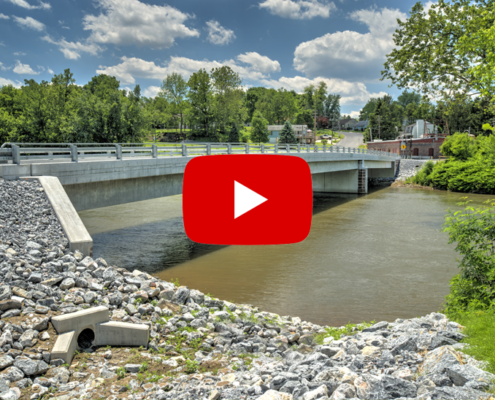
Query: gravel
{"type": "Point", "coordinates": [200, 347]}
{"type": "Point", "coordinates": [407, 168]}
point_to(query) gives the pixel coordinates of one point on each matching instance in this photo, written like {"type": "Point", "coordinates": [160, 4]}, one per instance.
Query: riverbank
{"type": "Point", "coordinates": [199, 347]}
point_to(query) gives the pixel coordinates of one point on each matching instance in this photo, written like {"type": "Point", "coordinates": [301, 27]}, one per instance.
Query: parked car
{"type": "Point", "coordinates": [325, 136]}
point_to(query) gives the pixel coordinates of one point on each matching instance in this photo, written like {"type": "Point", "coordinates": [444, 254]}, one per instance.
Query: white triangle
{"type": "Point", "coordinates": [245, 199]}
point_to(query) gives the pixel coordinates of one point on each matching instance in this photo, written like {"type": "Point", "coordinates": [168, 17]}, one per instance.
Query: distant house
{"type": "Point", "coordinates": [300, 131]}
{"type": "Point", "coordinates": [347, 123]}
{"type": "Point", "coordinates": [360, 125]}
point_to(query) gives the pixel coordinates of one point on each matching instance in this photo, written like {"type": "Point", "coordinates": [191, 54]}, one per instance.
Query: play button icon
{"type": "Point", "coordinates": [247, 199]}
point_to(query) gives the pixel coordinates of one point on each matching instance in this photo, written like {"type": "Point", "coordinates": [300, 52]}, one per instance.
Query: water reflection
{"type": "Point", "coordinates": [381, 256]}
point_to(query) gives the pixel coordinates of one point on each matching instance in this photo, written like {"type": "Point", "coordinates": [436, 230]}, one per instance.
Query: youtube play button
{"type": "Point", "coordinates": [247, 199]}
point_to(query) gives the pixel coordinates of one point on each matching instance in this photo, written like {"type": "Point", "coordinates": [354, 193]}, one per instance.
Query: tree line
{"type": "Point", "coordinates": [214, 106]}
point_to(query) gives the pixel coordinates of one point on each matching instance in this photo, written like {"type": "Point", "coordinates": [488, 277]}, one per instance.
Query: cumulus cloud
{"type": "Point", "coordinates": [24, 69]}
{"type": "Point", "coordinates": [355, 114]}
{"type": "Point", "coordinates": [130, 22]}
{"type": "Point", "coordinates": [351, 55]}
{"type": "Point", "coordinates": [3, 67]}
{"type": "Point", "coordinates": [73, 50]}
{"type": "Point", "coordinates": [3, 16]}
{"type": "Point", "coordinates": [151, 91]}
{"type": "Point", "coordinates": [5, 82]}
{"type": "Point", "coordinates": [131, 68]}
{"type": "Point", "coordinates": [259, 62]}
{"type": "Point", "coordinates": [217, 34]}
{"type": "Point", "coordinates": [299, 9]}
{"type": "Point", "coordinates": [25, 4]}
{"type": "Point", "coordinates": [49, 70]}
{"type": "Point", "coordinates": [30, 23]}
{"type": "Point", "coordinates": [351, 92]}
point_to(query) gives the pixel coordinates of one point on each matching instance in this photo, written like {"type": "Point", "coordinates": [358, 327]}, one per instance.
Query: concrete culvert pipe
{"type": "Point", "coordinates": [86, 338]}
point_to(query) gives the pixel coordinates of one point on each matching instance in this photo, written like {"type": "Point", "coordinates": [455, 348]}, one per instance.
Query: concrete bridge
{"type": "Point", "coordinates": [96, 176]}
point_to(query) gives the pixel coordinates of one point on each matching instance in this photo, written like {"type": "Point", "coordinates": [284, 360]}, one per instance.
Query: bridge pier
{"type": "Point", "coordinates": [337, 182]}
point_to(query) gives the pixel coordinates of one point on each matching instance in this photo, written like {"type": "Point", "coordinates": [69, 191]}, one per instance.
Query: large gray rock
{"type": "Point", "coordinates": [67, 283]}
{"type": "Point", "coordinates": [456, 393]}
{"type": "Point", "coordinates": [26, 365]}
{"type": "Point", "coordinates": [5, 361]}
{"type": "Point", "coordinates": [10, 304]}
{"type": "Point", "coordinates": [29, 338]}
{"type": "Point", "coordinates": [403, 343]}
{"type": "Point", "coordinates": [12, 374]}
{"type": "Point", "coordinates": [344, 391]}
{"type": "Point", "coordinates": [318, 393]}
{"type": "Point", "coordinates": [396, 387]}
{"type": "Point", "coordinates": [115, 298]}
{"type": "Point", "coordinates": [6, 338]}
{"type": "Point", "coordinates": [460, 374]}
{"type": "Point", "coordinates": [181, 295]}
{"type": "Point", "coordinates": [438, 360]}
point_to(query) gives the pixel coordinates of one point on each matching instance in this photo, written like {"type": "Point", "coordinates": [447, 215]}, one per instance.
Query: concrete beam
{"type": "Point", "coordinates": [336, 182]}
{"type": "Point", "coordinates": [80, 320]}
{"type": "Point", "coordinates": [10, 172]}
{"type": "Point", "coordinates": [86, 196]}
{"type": "Point", "coordinates": [64, 347]}
{"type": "Point", "coordinates": [388, 172]}
{"type": "Point", "coordinates": [121, 334]}
{"type": "Point", "coordinates": [76, 232]}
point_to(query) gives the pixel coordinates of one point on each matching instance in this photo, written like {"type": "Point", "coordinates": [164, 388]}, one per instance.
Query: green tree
{"type": "Point", "coordinates": [446, 50]}
{"type": "Point", "coordinates": [287, 134]}
{"type": "Point", "coordinates": [332, 108]}
{"type": "Point", "coordinates": [407, 98]}
{"type": "Point", "coordinates": [234, 134]}
{"type": "Point", "coordinates": [174, 90]}
{"type": "Point", "coordinates": [459, 146]}
{"type": "Point", "coordinates": [259, 132]}
{"type": "Point", "coordinates": [304, 117]}
{"type": "Point", "coordinates": [201, 97]}
{"type": "Point", "coordinates": [229, 106]}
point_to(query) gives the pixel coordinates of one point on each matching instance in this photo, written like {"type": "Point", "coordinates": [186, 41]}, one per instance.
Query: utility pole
{"type": "Point", "coordinates": [371, 134]}
{"type": "Point", "coordinates": [379, 130]}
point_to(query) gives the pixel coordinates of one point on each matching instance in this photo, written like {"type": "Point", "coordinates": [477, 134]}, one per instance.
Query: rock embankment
{"type": "Point", "coordinates": [200, 347]}
{"type": "Point", "coordinates": [407, 168]}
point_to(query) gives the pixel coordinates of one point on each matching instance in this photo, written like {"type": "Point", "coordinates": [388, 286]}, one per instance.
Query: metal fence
{"type": "Point", "coordinates": [18, 152]}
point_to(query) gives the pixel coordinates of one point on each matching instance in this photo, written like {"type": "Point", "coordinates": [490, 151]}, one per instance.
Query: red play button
{"type": "Point", "coordinates": [247, 199]}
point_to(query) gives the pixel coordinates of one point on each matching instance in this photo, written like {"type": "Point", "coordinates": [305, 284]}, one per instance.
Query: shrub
{"type": "Point", "coordinates": [474, 232]}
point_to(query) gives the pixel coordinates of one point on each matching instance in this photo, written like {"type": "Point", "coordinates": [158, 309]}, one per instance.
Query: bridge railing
{"type": "Point", "coordinates": [18, 152]}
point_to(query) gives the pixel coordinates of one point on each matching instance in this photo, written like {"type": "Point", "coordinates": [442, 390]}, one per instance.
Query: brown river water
{"type": "Point", "coordinates": [379, 256]}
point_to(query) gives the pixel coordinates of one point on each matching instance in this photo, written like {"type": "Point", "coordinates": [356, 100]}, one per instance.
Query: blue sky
{"type": "Point", "coordinates": [272, 43]}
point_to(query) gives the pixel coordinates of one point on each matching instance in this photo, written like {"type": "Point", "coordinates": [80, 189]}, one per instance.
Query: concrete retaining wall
{"type": "Point", "coordinates": [76, 232]}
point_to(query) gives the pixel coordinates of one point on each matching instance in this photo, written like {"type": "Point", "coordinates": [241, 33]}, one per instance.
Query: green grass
{"type": "Point", "coordinates": [348, 330]}
{"type": "Point", "coordinates": [480, 329]}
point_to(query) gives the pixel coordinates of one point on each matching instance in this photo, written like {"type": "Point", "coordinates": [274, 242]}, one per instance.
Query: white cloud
{"type": "Point", "coordinates": [3, 16]}
{"type": "Point", "coordinates": [351, 55]}
{"type": "Point", "coordinates": [299, 9]}
{"type": "Point", "coordinates": [5, 82]}
{"type": "Point", "coordinates": [73, 50]}
{"type": "Point", "coordinates": [259, 62]}
{"type": "Point", "coordinates": [3, 67]}
{"type": "Point", "coordinates": [49, 70]}
{"type": "Point", "coordinates": [24, 69]}
{"type": "Point", "coordinates": [151, 91]}
{"type": "Point", "coordinates": [29, 22]}
{"type": "Point", "coordinates": [354, 114]}
{"type": "Point", "coordinates": [130, 22]}
{"type": "Point", "coordinates": [19, 53]}
{"type": "Point", "coordinates": [351, 92]}
{"type": "Point", "coordinates": [217, 34]}
{"type": "Point", "coordinates": [131, 68]}
{"type": "Point", "coordinates": [25, 4]}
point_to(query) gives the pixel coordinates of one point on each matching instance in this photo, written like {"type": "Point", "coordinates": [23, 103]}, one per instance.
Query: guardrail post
{"type": "Point", "coordinates": [118, 151]}
{"type": "Point", "coordinates": [287, 148]}
{"type": "Point", "coordinates": [16, 154]}
{"type": "Point", "coordinates": [208, 149]}
{"type": "Point", "coordinates": [331, 149]}
{"type": "Point", "coordinates": [184, 150]}
{"type": "Point", "coordinates": [276, 148]}
{"type": "Point", "coordinates": [154, 151]}
{"type": "Point", "coordinates": [73, 152]}
{"type": "Point", "coordinates": [262, 148]}
{"type": "Point", "coordinates": [307, 148]}
{"type": "Point", "coordinates": [229, 148]}
{"type": "Point", "coordinates": [316, 148]}
{"type": "Point", "coordinates": [247, 148]}
{"type": "Point", "coordinates": [298, 147]}
{"type": "Point", "coordinates": [324, 148]}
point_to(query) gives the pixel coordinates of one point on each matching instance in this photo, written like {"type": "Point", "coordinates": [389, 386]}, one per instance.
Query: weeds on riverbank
{"type": "Point", "coordinates": [480, 331]}
{"type": "Point", "coordinates": [347, 330]}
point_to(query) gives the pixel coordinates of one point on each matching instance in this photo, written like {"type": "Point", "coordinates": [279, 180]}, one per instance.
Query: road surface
{"type": "Point", "coordinates": [351, 139]}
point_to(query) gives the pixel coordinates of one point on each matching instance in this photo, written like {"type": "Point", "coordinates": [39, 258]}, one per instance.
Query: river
{"type": "Point", "coordinates": [379, 256]}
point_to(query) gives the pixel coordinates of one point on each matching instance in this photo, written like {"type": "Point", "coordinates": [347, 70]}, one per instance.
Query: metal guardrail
{"type": "Point", "coordinates": [19, 152]}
